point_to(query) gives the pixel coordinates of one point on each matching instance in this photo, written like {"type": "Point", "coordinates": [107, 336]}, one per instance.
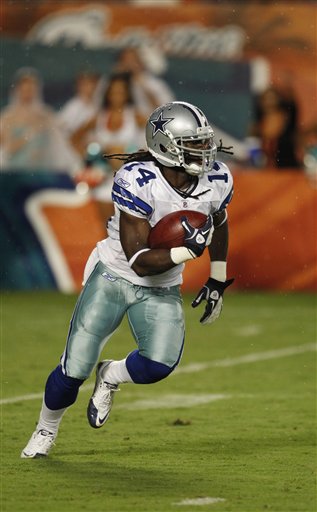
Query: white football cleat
{"type": "Point", "coordinates": [100, 404]}
{"type": "Point", "coordinates": [39, 445]}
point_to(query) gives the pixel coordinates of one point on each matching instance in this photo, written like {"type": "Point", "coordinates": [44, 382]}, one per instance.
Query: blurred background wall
{"type": "Point", "coordinates": [250, 66]}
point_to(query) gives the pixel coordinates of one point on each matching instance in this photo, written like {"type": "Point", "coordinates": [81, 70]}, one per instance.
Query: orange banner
{"type": "Point", "coordinates": [272, 234]}
{"type": "Point", "coordinates": [272, 221]}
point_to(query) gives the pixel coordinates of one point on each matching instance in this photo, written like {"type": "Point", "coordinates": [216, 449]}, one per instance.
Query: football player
{"type": "Point", "coordinates": [124, 276]}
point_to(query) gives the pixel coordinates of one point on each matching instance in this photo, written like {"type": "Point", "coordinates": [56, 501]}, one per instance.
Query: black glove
{"type": "Point", "coordinates": [212, 292]}
{"type": "Point", "coordinates": [196, 239]}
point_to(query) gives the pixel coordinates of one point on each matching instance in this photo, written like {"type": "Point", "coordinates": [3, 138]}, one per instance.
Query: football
{"type": "Point", "coordinates": [169, 232]}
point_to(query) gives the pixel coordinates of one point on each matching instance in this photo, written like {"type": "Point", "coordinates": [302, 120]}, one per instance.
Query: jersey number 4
{"type": "Point", "coordinates": [145, 177]}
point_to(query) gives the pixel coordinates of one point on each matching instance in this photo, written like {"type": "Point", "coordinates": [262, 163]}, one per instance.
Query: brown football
{"type": "Point", "coordinates": [169, 232]}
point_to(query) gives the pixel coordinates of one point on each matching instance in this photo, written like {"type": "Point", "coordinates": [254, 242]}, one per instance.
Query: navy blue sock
{"type": "Point", "coordinates": [144, 371]}
{"type": "Point", "coordinates": [61, 391]}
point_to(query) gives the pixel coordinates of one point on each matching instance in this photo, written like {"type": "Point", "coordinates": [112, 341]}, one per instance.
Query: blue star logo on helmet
{"type": "Point", "coordinates": [159, 123]}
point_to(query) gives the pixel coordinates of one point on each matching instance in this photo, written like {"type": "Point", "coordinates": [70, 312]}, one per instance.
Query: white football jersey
{"type": "Point", "coordinates": [140, 189]}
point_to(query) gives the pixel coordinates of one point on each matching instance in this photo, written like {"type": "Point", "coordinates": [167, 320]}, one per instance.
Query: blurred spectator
{"type": "Point", "coordinates": [83, 107]}
{"type": "Point", "coordinates": [120, 124]}
{"type": "Point", "coordinates": [118, 128]}
{"type": "Point", "coordinates": [276, 127]}
{"type": "Point", "coordinates": [30, 136]}
{"type": "Point", "coordinates": [148, 90]}
{"type": "Point", "coordinates": [309, 149]}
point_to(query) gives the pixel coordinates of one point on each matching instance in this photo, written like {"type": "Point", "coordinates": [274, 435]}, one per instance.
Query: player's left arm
{"type": "Point", "coordinates": [218, 248]}
{"type": "Point", "coordinates": [212, 291]}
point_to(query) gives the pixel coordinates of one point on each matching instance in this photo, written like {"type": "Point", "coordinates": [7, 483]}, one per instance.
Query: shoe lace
{"type": "Point", "coordinates": [105, 395]}
{"type": "Point", "coordinates": [44, 438]}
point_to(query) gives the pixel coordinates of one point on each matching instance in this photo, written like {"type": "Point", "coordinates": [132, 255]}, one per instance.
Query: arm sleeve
{"type": "Point", "coordinates": [127, 193]}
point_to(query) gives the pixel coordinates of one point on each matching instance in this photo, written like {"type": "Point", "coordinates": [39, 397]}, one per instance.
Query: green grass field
{"type": "Point", "coordinates": [226, 426]}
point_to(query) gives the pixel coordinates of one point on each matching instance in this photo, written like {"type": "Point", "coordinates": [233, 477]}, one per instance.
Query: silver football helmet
{"type": "Point", "coordinates": [179, 135]}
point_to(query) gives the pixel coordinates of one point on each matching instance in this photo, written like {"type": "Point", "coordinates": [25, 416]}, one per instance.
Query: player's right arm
{"type": "Point", "coordinates": [134, 233]}
{"type": "Point", "coordinates": [132, 195]}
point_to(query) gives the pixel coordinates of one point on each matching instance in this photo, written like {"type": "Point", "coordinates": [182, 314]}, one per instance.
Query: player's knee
{"type": "Point", "coordinates": [145, 371]}
{"type": "Point", "coordinates": [61, 391]}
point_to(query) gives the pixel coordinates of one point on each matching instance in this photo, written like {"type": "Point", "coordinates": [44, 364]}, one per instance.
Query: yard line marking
{"type": "Point", "coordinates": [172, 401]}
{"type": "Point", "coordinates": [197, 367]}
{"type": "Point", "coordinates": [200, 501]}
{"type": "Point", "coordinates": [248, 358]}
{"type": "Point", "coordinates": [168, 401]}
{"type": "Point", "coordinates": [248, 330]}
{"type": "Point", "coordinates": [22, 398]}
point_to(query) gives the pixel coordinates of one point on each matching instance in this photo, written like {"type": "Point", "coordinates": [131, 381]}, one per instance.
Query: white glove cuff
{"type": "Point", "coordinates": [218, 270]}
{"type": "Point", "coordinates": [181, 254]}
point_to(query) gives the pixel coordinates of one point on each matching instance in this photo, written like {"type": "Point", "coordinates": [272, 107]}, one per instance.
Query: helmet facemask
{"type": "Point", "coordinates": [195, 153]}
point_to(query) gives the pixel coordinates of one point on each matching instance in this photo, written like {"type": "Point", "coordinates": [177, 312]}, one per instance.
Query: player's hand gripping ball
{"type": "Point", "coordinates": [169, 231]}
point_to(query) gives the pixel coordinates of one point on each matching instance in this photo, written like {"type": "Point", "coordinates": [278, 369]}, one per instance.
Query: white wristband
{"type": "Point", "coordinates": [181, 254]}
{"type": "Point", "coordinates": [218, 270]}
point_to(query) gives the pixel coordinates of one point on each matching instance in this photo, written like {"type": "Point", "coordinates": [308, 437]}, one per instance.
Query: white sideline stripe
{"type": "Point", "coordinates": [248, 358]}
{"type": "Point", "coordinates": [197, 367]}
{"type": "Point", "coordinates": [199, 501]}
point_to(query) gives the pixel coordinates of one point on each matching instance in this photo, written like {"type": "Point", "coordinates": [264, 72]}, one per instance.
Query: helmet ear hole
{"type": "Point", "coordinates": [163, 148]}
